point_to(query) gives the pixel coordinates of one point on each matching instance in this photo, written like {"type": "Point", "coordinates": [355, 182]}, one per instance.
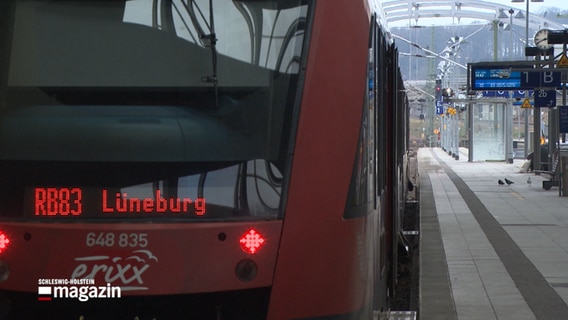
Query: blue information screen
{"type": "Point", "coordinates": [495, 78]}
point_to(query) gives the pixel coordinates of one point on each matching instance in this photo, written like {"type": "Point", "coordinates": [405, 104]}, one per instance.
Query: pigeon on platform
{"type": "Point", "coordinates": [529, 181]}
{"type": "Point", "coordinates": [500, 182]}
{"type": "Point", "coordinates": [509, 182]}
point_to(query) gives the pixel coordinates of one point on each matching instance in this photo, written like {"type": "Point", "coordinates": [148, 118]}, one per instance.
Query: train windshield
{"type": "Point", "coordinates": [147, 109]}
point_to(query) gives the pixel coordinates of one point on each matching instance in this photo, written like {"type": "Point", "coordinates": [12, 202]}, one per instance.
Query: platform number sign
{"type": "Point", "coordinates": [439, 107]}
{"type": "Point", "coordinates": [545, 98]}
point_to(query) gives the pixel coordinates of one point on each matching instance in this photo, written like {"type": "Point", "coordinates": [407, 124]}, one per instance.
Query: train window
{"type": "Point", "coordinates": [119, 109]}
{"type": "Point", "coordinates": [361, 189]}
{"type": "Point", "coordinates": [190, 22]}
{"type": "Point", "coordinates": [114, 41]}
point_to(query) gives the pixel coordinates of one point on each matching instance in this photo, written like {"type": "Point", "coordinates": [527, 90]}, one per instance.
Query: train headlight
{"type": "Point", "coordinates": [4, 270]}
{"type": "Point", "coordinates": [246, 270]}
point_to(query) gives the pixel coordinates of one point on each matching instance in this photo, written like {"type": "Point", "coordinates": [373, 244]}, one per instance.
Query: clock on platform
{"type": "Point", "coordinates": [541, 39]}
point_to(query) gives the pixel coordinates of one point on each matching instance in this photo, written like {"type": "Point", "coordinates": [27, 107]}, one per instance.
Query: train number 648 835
{"type": "Point", "coordinates": [110, 239]}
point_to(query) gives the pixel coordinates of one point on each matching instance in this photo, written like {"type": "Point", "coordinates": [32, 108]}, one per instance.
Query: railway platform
{"type": "Point", "coordinates": [490, 250]}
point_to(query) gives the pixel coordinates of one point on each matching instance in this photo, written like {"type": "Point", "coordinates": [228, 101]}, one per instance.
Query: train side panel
{"type": "Point", "coordinates": [317, 267]}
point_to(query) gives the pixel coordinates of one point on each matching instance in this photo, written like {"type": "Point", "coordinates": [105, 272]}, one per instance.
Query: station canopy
{"type": "Point", "coordinates": [444, 12]}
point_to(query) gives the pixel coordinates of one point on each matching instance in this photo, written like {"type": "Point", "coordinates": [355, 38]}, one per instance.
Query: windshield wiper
{"type": "Point", "coordinates": [208, 40]}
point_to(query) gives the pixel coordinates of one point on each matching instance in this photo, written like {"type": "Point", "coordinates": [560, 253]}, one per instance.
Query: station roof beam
{"type": "Point", "coordinates": [470, 10]}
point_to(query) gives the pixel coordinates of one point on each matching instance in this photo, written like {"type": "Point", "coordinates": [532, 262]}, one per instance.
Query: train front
{"type": "Point", "coordinates": [143, 154]}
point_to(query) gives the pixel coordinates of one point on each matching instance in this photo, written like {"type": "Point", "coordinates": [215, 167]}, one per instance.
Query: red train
{"type": "Point", "coordinates": [198, 159]}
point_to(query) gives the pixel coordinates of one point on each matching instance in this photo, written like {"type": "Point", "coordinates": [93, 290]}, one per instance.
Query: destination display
{"type": "Point", "coordinates": [69, 202]}
{"type": "Point", "coordinates": [485, 78]}
{"type": "Point", "coordinates": [505, 77]}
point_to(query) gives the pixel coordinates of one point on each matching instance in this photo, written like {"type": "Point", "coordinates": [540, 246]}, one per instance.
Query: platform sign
{"type": "Point", "coordinates": [541, 79]}
{"type": "Point", "coordinates": [521, 94]}
{"type": "Point", "coordinates": [487, 76]}
{"type": "Point", "coordinates": [506, 93]}
{"type": "Point", "coordinates": [545, 98]}
{"type": "Point", "coordinates": [563, 115]}
{"type": "Point", "coordinates": [439, 107]}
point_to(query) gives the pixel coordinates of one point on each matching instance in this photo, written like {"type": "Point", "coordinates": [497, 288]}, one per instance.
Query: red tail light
{"type": "Point", "coordinates": [4, 241]}
{"type": "Point", "coordinates": [251, 241]}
